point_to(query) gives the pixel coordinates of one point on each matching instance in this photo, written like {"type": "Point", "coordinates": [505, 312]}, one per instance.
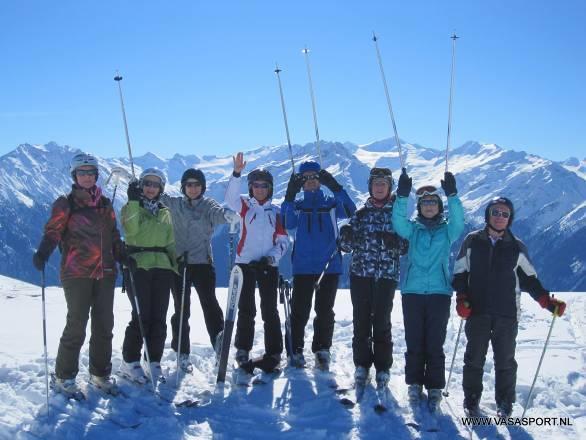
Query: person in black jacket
{"type": "Point", "coordinates": [492, 268]}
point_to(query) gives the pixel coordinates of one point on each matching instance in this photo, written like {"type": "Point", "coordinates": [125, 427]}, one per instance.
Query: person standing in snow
{"type": "Point", "coordinates": [374, 274]}
{"type": "Point", "coordinates": [195, 218]}
{"type": "Point", "coordinates": [314, 222]}
{"type": "Point", "coordinates": [492, 268]}
{"type": "Point", "coordinates": [426, 291]}
{"type": "Point", "coordinates": [261, 244]}
{"type": "Point", "coordinates": [83, 225]}
{"type": "Point", "coordinates": [151, 248]}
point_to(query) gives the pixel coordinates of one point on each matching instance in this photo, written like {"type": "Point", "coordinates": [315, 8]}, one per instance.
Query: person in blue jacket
{"type": "Point", "coordinates": [313, 222]}
{"type": "Point", "coordinates": [426, 290]}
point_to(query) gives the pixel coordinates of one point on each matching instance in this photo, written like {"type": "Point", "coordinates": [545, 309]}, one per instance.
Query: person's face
{"type": "Point", "coordinates": [86, 176]}
{"type": "Point", "coordinates": [429, 206]}
{"type": "Point", "coordinates": [151, 187]}
{"type": "Point", "coordinates": [380, 189]}
{"type": "Point", "coordinates": [193, 188]}
{"type": "Point", "coordinates": [260, 190]}
{"type": "Point", "coordinates": [496, 217]}
{"type": "Point", "coordinates": [311, 181]}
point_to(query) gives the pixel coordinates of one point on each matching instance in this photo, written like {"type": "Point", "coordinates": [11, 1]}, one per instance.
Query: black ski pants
{"type": "Point", "coordinates": [85, 296]}
{"type": "Point", "coordinates": [323, 323]}
{"type": "Point", "coordinates": [203, 278]}
{"type": "Point", "coordinates": [267, 279]}
{"type": "Point", "coordinates": [501, 332]}
{"type": "Point", "coordinates": [372, 303]}
{"type": "Point", "coordinates": [425, 317]}
{"type": "Point", "coordinates": [152, 289]}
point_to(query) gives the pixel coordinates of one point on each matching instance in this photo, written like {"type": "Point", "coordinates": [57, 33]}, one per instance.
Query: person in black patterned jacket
{"type": "Point", "coordinates": [374, 274]}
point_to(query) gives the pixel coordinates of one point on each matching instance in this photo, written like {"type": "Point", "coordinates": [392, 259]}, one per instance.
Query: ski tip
{"type": "Point", "coordinates": [347, 403]}
{"type": "Point", "coordinates": [379, 409]}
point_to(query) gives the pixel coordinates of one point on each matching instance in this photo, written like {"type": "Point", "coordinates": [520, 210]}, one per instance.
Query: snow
{"type": "Point", "coordinates": [298, 404]}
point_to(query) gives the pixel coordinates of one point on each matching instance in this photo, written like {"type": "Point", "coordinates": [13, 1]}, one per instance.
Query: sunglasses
{"type": "Point", "coordinates": [151, 184]}
{"type": "Point", "coordinates": [428, 202]}
{"type": "Point", "coordinates": [311, 177]}
{"type": "Point", "coordinates": [192, 184]}
{"type": "Point", "coordinates": [498, 213]}
{"type": "Point", "coordinates": [260, 185]}
{"type": "Point", "coordinates": [86, 172]}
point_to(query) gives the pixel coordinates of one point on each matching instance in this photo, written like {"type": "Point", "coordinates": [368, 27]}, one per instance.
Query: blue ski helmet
{"type": "Point", "coordinates": [309, 165]}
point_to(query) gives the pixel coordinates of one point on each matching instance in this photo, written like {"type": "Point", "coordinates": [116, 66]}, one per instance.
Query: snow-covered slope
{"type": "Point", "coordinates": [545, 193]}
{"type": "Point", "coordinates": [298, 404]}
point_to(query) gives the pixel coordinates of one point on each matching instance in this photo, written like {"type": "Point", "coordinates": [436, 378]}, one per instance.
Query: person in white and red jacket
{"type": "Point", "coordinates": [262, 243]}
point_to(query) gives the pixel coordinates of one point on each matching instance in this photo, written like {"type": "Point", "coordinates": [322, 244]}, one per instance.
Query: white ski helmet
{"type": "Point", "coordinates": [80, 160]}
{"type": "Point", "coordinates": [154, 172]}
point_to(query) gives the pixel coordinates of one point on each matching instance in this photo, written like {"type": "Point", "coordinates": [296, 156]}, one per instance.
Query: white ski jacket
{"type": "Point", "coordinates": [261, 229]}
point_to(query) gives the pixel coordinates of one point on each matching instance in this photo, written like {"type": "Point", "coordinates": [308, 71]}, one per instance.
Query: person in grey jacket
{"type": "Point", "coordinates": [194, 219]}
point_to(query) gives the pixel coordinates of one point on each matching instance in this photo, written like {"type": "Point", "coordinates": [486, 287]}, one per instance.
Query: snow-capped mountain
{"type": "Point", "coordinates": [549, 196]}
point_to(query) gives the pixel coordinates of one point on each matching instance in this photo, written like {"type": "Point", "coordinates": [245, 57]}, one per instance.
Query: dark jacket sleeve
{"type": "Point", "coordinates": [462, 266]}
{"type": "Point", "coordinates": [55, 226]}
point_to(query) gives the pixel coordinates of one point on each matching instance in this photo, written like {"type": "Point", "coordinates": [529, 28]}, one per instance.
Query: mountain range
{"type": "Point", "coordinates": [549, 196]}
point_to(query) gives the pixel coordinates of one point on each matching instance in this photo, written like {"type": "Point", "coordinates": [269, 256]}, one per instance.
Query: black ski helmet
{"type": "Point", "coordinates": [429, 190]}
{"type": "Point", "coordinates": [500, 201]}
{"type": "Point", "coordinates": [193, 173]}
{"type": "Point", "coordinates": [378, 173]}
{"type": "Point", "coordinates": [260, 174]}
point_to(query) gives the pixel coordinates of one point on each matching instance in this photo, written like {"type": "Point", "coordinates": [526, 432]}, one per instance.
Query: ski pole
{"type": "Point", "coordinates": [317, 142]}
{"type": "Point", "coordinates": [118, 78]}
{"type": "Point", "coordinates": [278, 71]}
{"type": "Point", "coordinates": [454, 38]}
{"type": "Point", "coordinates": [141, 327]}
{"type": "Point", "coordinates": [45, 339]}
{"type": "Point", "coordinates": [446, 393]}
{"type": "Point", "coordinates": [115, 176]}
{"type": "Point", "coordinates": [336, 250]}
{"type": "Point", "coordinates": [538, 367]}
{"type": "Point", "coordinates": [183, 290]}
{"type": "Point", "coordinates": [389, 105]}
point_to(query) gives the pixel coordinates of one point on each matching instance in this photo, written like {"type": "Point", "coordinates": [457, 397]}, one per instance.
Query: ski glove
{"type": "Point", "coordinates": [134, 191]}
{"type": "Point", "coordinates": [463, 306]}
{"type": "Point", "coordinates": [405, 184]}
{"type": "Point", "coordinates": [329, 181]}
{"type": "Point", "coordinates": [294, 186]}
{"type": "Point", "coordinates": [391, 240]}
{"type": "Point", "coordinates": [449, 184]}
{"type": "Point", "coordinates": [39, 261]}
{"type": "Point", "coordinates": [266, 261]}
{"type": "Point", "coordinates": [554, 305]}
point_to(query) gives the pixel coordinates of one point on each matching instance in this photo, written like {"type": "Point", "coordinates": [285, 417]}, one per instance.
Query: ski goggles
{"type": "Point", "coordinates": [151, 184]}
{"type": "Point", "coordinates": [429, 202]}
{"type": "Point", "coordinates": [192, 184]}
{"type": "Point", "coordinates": [92, 172]}
{"type": "Point", "coordinates": [498, 213]}
{"type": "Point", "coordinates": [261, 185]}
{"type": "Point", "coordinates": [308, 177]}
{"type": "Point", "coordinates": [428, 190]}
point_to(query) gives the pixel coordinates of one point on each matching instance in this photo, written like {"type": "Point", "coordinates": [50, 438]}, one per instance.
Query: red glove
{"type": "Point", "coordinates": [463, 306]}
{"type": "Point", "coordinates": [552, 304]}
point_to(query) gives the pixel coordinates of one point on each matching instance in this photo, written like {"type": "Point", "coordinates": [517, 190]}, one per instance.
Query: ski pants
{"type": "Point", "coordinates": [372, 303]}
{"type": "Point", "coordinates": [425, 317]}
{"type": "Point", "coordinates": [323, 323]}
{"type": "Point", "coordinates": [267, 279]}
{"type": "Point", "coordinates": [501, 332]}
{"type": "Point", "coordinates": [152, 290]}
{"type": "Point", "coordinates": [85, 296]}
{"type": "Point", "coordinates": [203, 278]}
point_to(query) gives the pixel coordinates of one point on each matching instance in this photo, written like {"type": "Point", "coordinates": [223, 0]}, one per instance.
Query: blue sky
{"type": "Point", "coordinates": [198, 76]}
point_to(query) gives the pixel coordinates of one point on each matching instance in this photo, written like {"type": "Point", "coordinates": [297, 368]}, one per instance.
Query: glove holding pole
{"type": "Point", "coordinates": [295, 184]}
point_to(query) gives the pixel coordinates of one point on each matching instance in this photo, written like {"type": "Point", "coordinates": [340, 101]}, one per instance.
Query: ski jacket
{"type": "Point", "coordinates": [83, 224]}
{"type": "Point", "coordinates": [370, 257]}
{"type": "Point", "coordinates": [313, 221]}
{"type": "Point", "coordinates": [429, 248]}
{"type": "Point", "coordinates": [492, 276]}
{"type": "Point", "coordinates": [194, 222]}
{"type": "Point", "coordinates": [142, 229]}
{"type": "Point", "coordinates": [261, 230]}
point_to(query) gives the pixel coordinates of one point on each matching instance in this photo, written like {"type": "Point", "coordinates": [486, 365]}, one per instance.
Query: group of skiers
{"type": "Point", "coordinates": [168, 249]}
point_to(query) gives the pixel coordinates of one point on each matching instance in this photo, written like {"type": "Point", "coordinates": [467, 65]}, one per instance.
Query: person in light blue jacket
{"type": "Point", "coordinates": [426, 290]}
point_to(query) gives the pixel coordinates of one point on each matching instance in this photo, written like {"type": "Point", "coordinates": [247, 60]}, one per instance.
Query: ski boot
{"type": "Point", "coordinates": [434, 397]}
{"type": "Point", "coordinates": [414, 393]}
{"type": "Point", "coordinates": [382, 379]}
{"type": "Point", "coordinates": [297, 360]}
{"type": "Point", "coordinates": [471, 406]}
{"type": "Point", "coordinates": [322, 360]}
{"type": "Point", "coordinates": [107, 384]}
{"type": "Point", "coordinates": [185, 364]}
{"type": "Point", "coordinates": [133, 372]}
{"type": "Point", "coordinates": [504, 409]}
{"type": "Point", "coordinates": [67, 387]}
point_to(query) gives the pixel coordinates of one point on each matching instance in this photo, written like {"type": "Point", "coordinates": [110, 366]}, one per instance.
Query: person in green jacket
{"type": "Point", "coordinates": [150, 244]}
{"type": "Point", "coordinates": [426, 290]}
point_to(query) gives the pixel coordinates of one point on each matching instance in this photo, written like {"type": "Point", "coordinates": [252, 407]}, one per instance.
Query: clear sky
{"type": "Point", "coordinates": [198, 75]}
